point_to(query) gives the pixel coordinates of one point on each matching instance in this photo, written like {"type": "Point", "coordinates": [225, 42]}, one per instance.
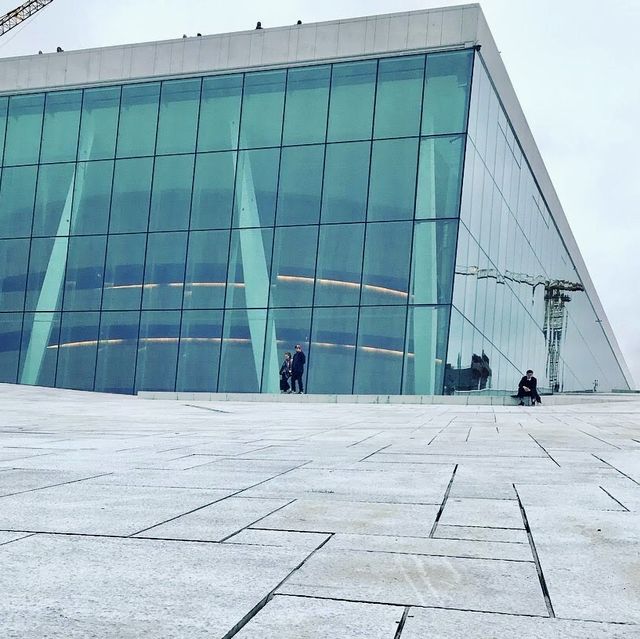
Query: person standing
{"type": "Point", "coordinates": [297, 369]}
{"type": "Point", "coordinates": [285, 373]}
{"type": "Point", "coordinates": [528, 387]}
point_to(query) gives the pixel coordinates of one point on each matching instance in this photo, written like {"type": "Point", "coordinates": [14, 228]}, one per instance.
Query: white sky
{"type": "Point", "coordinates": [574, 65]}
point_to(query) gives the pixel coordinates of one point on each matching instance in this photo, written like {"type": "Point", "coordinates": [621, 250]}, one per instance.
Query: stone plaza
{"type": "Point", "coordinates": [124, 517]}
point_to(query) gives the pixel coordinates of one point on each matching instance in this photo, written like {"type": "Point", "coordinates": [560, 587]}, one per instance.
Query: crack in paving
{"type": "Point", "coordinates": [444, 501]}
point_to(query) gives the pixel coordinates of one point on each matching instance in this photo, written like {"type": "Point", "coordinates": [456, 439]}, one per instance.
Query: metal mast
{"type": "Point", "coordinates": [20, 14]}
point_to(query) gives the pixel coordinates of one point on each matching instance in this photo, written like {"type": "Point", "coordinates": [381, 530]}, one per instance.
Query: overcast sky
{"type": "Point", "coordinates": [573, 63]}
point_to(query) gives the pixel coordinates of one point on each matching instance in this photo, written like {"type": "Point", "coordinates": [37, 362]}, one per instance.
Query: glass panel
{"type": "Point", "coordinates": [24, 128]}
{"type": "Point", "coordinates": [78, 350]}
{"type": "Point", "coordinates": [100, 109]}
{"type": "Point", "coordinates": [392, 187]}
{"type": "Point", "coordinates": [4, 105]}
{"type": "Point", "coordinates": [256, 188]}
{"type": "Point", "coordinates": [92, 198]}
{"type": "Point", "coordinates": [220, 113]}
{"type": "Point", "coordinates": [249, 268]}
{"type": "Point", "coordinates": [300, 185]}
{"type": "Point", "coordinates": [131, 195]}
{"type": "Point", "coordinates": [380, 350]}
{"type": "Point", "coordinates": [206, 269]}
{"type": "Point", "coordinates": [339, 265]}
{"type": "Point", "coordinates": [434, 246]}
{"type": "Point", "coordinates": [17, 194]}
{"type": "Point", "coordinates": [212, 201]}
{"type": "Point", "coordinates": [294, 263]}
{"type": "Point", "coordinates": [333, 347]}
{"type": "Point", "coordinates": [53, 199]}
{"type": "Point", "coordinates": [47, 262]}
{"type": "Point", "coordinates": [262, 106]}
{"type": "Point", "coordinates": [124, 271]}
{"type": "Point", "coordinates": [399, 97]}
{"type": "Point", "coordinates": [171, 197]}
{"type": "Point", "coordinates": [446, 92]}
{"type": "Point", "coordinates": [351, 106]}
{"type": "Point", "coordinates": [138, 119]}
{"type": "Point", "coordinates": [179, 104]}
{"type": "Point", "coordinates": [14, 255]}
{"type": "Point", "coordinates": [61, 126]}
{"type": "Point", "coordinates": [387, 251]}
{"type": "Point", "coordinates": [117, 349]}
{"type": "Point", "coordinates": [305, 119]}
{"type": "Point", "coordinates": [200, 339]}
{"type": "Point", "coordinates": [85, 267]}
{"type": "Point", "coordinates": [285, 329]}
{"type": "Point", "coordinates": [346, 176]}
{"type": "Point", "coordinates": [425, 350]}
{"type": "Point", "coordinates": [164, 270]}
{"type": "Point", "coordinates": [242, 350]}
{"type": "Point", "coordinates": [158, 350]}
{"type": "Point", "coordinates": [39, 349]}
{"type": "Point", "coordinates": [439, 177]}
{"type": "Point", "coordinates": [10, 331]}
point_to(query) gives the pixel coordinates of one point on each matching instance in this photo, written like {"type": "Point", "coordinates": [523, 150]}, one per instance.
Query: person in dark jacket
{"type": "Point", "coordinates": [285, 373]}
{"type": "Point", "coordinates": [528, 387]}
{"type": "Point", "coordinates": [297, 369]}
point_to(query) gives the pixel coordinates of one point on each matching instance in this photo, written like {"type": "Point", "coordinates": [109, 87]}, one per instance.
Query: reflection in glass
{"type": "Point", "coordinates": [164, 270]}
{"type": "Point", "coordinates": [157, 350]}
{"type": "Point", "coordinates": [14, 255]}
{"type": "Point", "coordinates": [256, 188]}
{"type": "Point", "coordinates": [10, 331]}
{"type": "Point", "coordinates": [339, 266]}
{"type": "Point", "coordinates": [332, 352]}
{"type": "Point", "coordinates": [46, 274]}
{"type": "Point", "coordinates": [212, 200]}
{"type": "Point", "coordinates": [124, 272]}
{"type": "Point", "coordinates": [200, 339]}
{"type": "Point", "coordinates": [380, 350]}
{"type": "Point", "coordinates": [131, 195]}
{"type": "Point", "coordinates": [17, 194]}
{"type": "Point", "coordinates": [99, 123]}
{"type": "Point", "coordinates": [39, 349]}
{"type": "Point", "coordinates": [138, 119]}
{"type": "Point", "coordinates": [243, 341]}
{"type": "Point", "coordinates": [85, 267]}
{"type": "Point", "coordinates": [52, 211]}
{"type": "Point", "coordinates": [24, 127]}
{"type": "Point", "coordinates": [439, 177]}
{"type": "Point", "coordinates": [92, 197]}
{"type": "Point", "coordinates": [177, 125]}
{"type": "Point", "coordinates": [117, 347]}
{"type": "Point", "coordinates": [78, 350]}
{"type": "Point", "coordinates": [171, 196]}
{"type": "Point", "coordinates": [206, 274]}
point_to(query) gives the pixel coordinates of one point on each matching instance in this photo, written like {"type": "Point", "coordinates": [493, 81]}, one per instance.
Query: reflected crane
{"type": "Point", "coordinates": [20, 14]}
{"type": "Point", "coordinates": [555, 312]}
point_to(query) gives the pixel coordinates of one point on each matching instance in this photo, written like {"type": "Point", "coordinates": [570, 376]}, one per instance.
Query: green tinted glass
{"type": "Point", "coordinates": [131, 195]}
{"type": "Point", "coordinates": [212, 200]}
{"type": "Point", "coordinates": [17, 193]}
{"type": "Point", "coordinates": [206, 274]}
{"type": "Point", "coordinates": [220, 113]}
{"type": "Point", "coordinates": [53, 199]}
{"type": "Point", "coordinates": [305, 118]}
{"type": "Point", "coordinates": [78, 350]}
{"type": "Point", "coordinates": [157, 350]}
{"type": "Point", "coordinates": [346, 175]}
{"type": "Point", "coordinates": [138, 119]}
{"type": "Point", "coordinates": [46, 273]}
{"type": "Point", "coordinates": [124, 271]}
{"type": "Point", "coordinates": [300, 185]}
{"type": "Point", "coordinates": [262, 107]}
{"type": "Point", "coordinates": [353, 87]}
{"type": "Point", "coordinates": [164, 270]}
{"type": "Point", "coordinates": [399, 97]}
{"type": "Point", "coordinates": [179, 106]}
{"type": "Point", "coordinates": [392, 186]}
{"type": "Point", "coordinates": [4, 105]}
{"type": "Point", "coordinates": [446, 92]}
{"type": "Point", "coordinates": [100, 108]}
{"type": "Point", "coordinates": [85, 268]}
{"type": "Point", "coordinates": [61, 126]}
{"type": "Point", "coordinates": [256, 188]}
{"type": "Point", "coordinates": [439, 177]}
{"type": "Point", "coordinates": [24, 128]}
{"type": "Point", "coordinates": [171, 196]}
{"type": "Point", "coordinates": [92, 197]}
{"type": "Point", "coordinates": [10, 332]}
{"type": "Point", "coordinates": [14, 255]}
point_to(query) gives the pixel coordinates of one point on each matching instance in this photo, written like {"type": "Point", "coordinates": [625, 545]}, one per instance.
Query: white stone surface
{"type": "Point", "coordinates": [336, 516]}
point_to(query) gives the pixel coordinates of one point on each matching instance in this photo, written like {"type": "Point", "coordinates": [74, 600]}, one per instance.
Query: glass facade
{"type": "Point", "coordinates": [518, 301]}
{"type": "Point", "coordinates": [182, 234]}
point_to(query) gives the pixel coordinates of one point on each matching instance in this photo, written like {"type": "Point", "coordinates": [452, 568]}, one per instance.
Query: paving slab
{"type": "Point", "coordinates": [453, 624]}
{"type": "Point", "coordinates": [8, 537]}
{"type": "Point", "coordinates": [218, 521]}
{"type": "Point", "coordinates": [83, 508]}
{"type": "Point", "coordinates": [470, 584]}
{"type": "Point", "coordinates": [287, 617]}
{"type": "Point", "coordinates": [479, 533]}
{"type": "Point", "coordinates": [279, 538]}
{"type": "Point", "coordinates": [488, 513]}
{"type": "Point", "coordinates": [354, 517]}
{"type": "Point", "coordinates": [77, 587]}
{"type": "Point", "coordinates": [20, 480]}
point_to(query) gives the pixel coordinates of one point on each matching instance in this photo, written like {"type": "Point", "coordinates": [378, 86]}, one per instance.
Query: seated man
{"type": "Point", "coordinates": [528, 387]}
